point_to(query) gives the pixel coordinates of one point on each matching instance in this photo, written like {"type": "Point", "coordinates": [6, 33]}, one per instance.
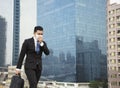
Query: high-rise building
{"type": "Point", "coordinates": [113, 38]}
{"type": "Point", "coordinates": [75, 32]}
{"type": "Point", "coordinates": [2, 40]}
{"type": "Point", "coordinates": [16, 29]}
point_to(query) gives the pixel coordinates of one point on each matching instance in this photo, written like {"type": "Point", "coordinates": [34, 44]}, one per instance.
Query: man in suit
{"type": "Point", "coordinates": [33, 49]}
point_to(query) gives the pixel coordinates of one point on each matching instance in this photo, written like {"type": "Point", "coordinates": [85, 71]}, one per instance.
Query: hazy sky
{"type": "Point", "coordinates": [28, 21]}
{"type": "Point", "coordinates": [113, 1]}
{"type": "Point", "coordinates": [6, 11]}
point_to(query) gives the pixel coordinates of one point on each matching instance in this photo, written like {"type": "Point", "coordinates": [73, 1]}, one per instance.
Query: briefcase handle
{"type": "Point", "coordinates": [18, 74]}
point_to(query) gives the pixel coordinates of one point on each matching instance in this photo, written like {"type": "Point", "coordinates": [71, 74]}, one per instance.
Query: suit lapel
{"type": "Point", "coordinates": [33, 43]}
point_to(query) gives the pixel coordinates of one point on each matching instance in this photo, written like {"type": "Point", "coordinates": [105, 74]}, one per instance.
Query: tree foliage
{"type": "Point", "coordinates": [98, 84]}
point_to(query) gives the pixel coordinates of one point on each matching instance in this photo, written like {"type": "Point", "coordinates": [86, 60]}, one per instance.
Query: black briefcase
{"type": "Point", "coordinates": [17, 82]}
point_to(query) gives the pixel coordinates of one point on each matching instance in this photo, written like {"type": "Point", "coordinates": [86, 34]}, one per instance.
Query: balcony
{"type": "Point", "coordinates": [118, 18]}
{"type": "Point", "coordinates": [118, 39]}
{"type": "Point", "coordinates": [118, 11]}
{"type": "Point", "coordinates": [118, 25]}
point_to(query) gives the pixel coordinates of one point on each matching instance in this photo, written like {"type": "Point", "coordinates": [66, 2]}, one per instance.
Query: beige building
{"type": "Point", "coordinates": [113, 39]}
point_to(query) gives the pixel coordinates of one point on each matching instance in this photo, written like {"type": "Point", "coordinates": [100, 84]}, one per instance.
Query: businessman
{"type": "Point", "coordinates": [33, 49]}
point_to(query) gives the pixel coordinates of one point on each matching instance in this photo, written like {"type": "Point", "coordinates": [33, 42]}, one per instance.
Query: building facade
{"type": "Point", "coordinates": [16, 29]}
{"type": "Point", "coordinates": [75, 31]}
{"type": "Point", "coordinates": [113, 38]}
{"type": "Point", "coordinates": [3, 25]}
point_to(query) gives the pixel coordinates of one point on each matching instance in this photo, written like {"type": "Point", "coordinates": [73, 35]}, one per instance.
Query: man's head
{"type": "Point", "coordinates": [38, 32]}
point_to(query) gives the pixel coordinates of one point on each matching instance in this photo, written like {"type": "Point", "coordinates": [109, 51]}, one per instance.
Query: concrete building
{"type": "Point", "coordinates": [16, 29]}
{"type": "Point", "coordinates": [113, 46]}
{"type": "Point", "coordinates": [3, 25]}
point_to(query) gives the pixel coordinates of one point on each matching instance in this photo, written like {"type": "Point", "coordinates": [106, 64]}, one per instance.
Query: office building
{"type": "Point", "coordinates": [16, 29]}
{"type": "Point", "coordinates": [3, 25]}
{"type": "Point", "coordinates": [75, 32]}
{"type": "Point", "coordinates": [113, 39]}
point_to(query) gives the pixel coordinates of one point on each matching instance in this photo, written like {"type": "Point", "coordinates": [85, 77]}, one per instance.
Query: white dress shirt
{"type": "Point", "coordinates": [35, 41]}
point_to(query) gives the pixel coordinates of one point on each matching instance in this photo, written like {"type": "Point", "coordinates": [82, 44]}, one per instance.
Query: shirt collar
{"type": "Point", "coordinates": [34, 38]}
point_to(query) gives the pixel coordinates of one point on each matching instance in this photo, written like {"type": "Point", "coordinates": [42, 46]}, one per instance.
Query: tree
{"type": "Point", "coordinates": [98, 84]}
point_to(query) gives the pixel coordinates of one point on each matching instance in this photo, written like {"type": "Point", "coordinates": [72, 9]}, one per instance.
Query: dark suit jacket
{"type": "Point", "coordinates": [32, 58]}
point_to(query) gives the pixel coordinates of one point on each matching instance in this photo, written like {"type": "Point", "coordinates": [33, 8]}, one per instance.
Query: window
{"type": "Point", "coordinates": [113, 61]}
{"type": "Point", "coordinates": [118, 47]}
{"type": "Point", "coordinates": [112, 39]}
{"type": "Point", "coordinates": [118, 53]}
{"type": "Point", "coordinates": [118, 25]}
{"type": "Point", "coordinates": [118, 61]}
{"type": "Point", "coordinates": [118, 10]}
{"type": "Point", "coordinates": [118, 31]}
{"type": "Point", "coordinates": [118, 39]}
{"type": "Point", "coordinates": [118, 18]}
{"type": "Point", "coordinates": [118, 69]}
{"type": "Point", "coordinates": [112, 32]}
{"type": "Point", "coordinates": [119, 83]}
{"type": "Point", "coordinates": [119, 75]}
{"type": "Point", "coordinates": [112, 54]}
{"type": "Point", "coordinates": [112, 26]}
{"type": "Point", "coordinates": [113, 68]}
{"type": "Point", "coordinates": [111, 19]}
{"type": "Point", "coordinates": [114, 76]}
{"type": "Point", "coordinates": [112, 12]}
{"type": "Point", "coordinates": [114, 83]}
{"type": "Point", "coordinates": [112, 46]}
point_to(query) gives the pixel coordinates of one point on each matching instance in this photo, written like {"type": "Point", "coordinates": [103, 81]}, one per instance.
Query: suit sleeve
{"type": "Point", "coordinates": [45, 49]}
{"type": "Point", "coordinates": [22, 55]}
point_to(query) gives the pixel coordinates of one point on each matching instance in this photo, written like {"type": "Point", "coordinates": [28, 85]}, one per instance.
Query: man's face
{"type": "Point", "coordinates": [38, 34]}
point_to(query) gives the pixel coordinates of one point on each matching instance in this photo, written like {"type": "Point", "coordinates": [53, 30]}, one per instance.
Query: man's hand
{"type": "Point", "coordinates": [17, 72]}
{"type": "Point", "coordinates": [40, 39]}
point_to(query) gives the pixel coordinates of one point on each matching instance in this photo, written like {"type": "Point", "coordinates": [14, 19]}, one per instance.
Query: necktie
{"type": "Point", "coordinates": [38, 47]}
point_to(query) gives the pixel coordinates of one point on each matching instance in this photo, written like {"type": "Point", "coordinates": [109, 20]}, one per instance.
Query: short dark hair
{"type": "Point", "coordinates": [38, 28]}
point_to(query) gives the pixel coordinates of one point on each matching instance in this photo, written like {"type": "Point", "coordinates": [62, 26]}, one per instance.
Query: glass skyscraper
{"type": "Point", "coordinates": [3, 25]}
{"type": "Point", "coordinates": [75, 32]}
{"type": "Point", "coordinates": [16, 28]}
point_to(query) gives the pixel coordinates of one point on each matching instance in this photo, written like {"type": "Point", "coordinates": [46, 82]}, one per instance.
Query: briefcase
{"type": "Point", "coordinates": [17, 82]}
